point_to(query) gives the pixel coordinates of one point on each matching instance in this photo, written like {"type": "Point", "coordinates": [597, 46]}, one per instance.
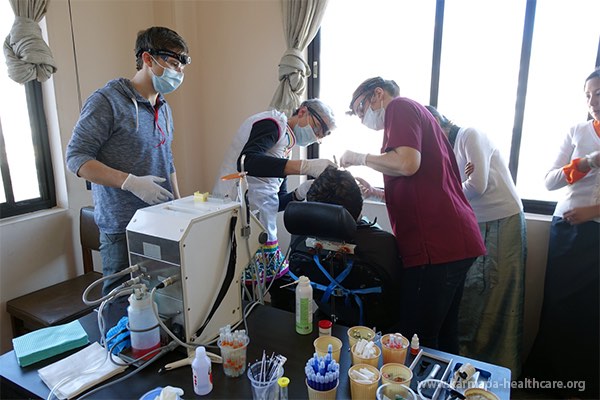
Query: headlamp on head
{"type": "Point", "coordinates": [368, 87]}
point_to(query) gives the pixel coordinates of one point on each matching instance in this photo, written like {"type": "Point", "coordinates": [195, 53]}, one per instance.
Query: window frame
{"type": "Point", "coordinates": [529, 205]}
{"type": "Point", "coordinates": [43, 159]}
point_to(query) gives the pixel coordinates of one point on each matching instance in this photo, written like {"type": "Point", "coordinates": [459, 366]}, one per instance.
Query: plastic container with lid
{"type": "Point", "coordinates": [325, 327]}
{"type": "Point", "coordinates": [283, 383]}
{"type": "Point", "coordinates": [143, 325]}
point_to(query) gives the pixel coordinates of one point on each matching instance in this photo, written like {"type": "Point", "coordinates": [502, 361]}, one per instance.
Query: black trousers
{"type": "Point", "coordinates": [566, 348]}
{"type": "Point", "coordinates": [430, 298]}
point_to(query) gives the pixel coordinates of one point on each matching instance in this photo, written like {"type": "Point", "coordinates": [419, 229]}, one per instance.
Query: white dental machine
{"type": "Point", "coordinates": [197, 247]}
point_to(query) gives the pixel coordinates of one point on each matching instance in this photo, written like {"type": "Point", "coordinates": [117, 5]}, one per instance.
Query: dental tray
{"type": "Point", "coordinates": [422, 365]}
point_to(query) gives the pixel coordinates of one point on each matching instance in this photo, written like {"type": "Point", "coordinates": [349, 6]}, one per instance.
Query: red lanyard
{"type": "Point", "coordinates": [163, 137]}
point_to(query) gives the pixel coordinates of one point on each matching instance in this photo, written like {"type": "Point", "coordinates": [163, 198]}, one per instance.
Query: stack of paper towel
{"type": "Point", "coordinates": [47, 342]}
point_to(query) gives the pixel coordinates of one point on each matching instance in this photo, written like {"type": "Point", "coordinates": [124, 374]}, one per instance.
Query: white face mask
{"type": "Point", "coordinates": [374, 119]}
{"type": "Point", "coordinates": [305, 135]}
{"type": "Point", "coordinates": [168, 81]}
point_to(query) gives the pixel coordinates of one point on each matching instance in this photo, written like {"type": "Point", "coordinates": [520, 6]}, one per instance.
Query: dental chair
{"type": "Point", "coordinates": [348, 287]}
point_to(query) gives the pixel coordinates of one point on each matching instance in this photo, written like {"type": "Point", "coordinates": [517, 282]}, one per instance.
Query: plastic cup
{"type": "Point", "coordinates": [429, 389]}
{"type": "Point", "coordinates": [322, 343]}
{"type": "Point", "coordinates": [476, 393]}
{"type": "Point", "coordinates": [360, 332]}
{"type": "Point", "coordinates": [396, 373]}
{"type": "Point", "coordinates": [394, 355]}
{"type": "Point", "coordinates": [360, 389]}
{"type": "Point", "coordinates": [358, 359]}
{"type": "Point", "coordinates": [314, 394]}
{"type": "Point", "coordinates": [391, 390]}
{"type": "Point", "coordinates": [263, 389]}
{"type": "Point", "coordinates": [234, 359]}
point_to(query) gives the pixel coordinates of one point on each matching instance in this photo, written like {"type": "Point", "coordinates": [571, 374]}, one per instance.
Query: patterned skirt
{"type": "Point", "coordinates": [268, 263]}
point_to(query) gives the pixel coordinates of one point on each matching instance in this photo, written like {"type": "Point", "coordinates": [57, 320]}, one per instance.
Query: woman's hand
{"type": "Point", "coordinates": [469, 168]}
{"type": "Point", "coordinates": [580, 215]}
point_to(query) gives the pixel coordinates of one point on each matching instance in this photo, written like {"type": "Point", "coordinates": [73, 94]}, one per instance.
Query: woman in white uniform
{"type": "Point", "coordinates": [567, 346]}
{"type": "Point", "coordinates": [262, 148]}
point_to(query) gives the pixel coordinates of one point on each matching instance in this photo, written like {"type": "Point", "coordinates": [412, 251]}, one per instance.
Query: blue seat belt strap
{"type": "Point", "coordinates": [327, 290]}
{"type": "Point", "coordinates": [333, 282]}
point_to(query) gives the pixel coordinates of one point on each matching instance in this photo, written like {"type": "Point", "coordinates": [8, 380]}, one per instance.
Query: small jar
{"type": "Point", "coordinates": [325, 327]}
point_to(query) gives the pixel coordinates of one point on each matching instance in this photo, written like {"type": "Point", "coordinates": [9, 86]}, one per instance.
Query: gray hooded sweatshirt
{"type": "Point", "coordinates": [121, 129]}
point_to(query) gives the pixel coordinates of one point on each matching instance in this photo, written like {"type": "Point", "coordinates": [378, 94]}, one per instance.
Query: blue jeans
{"type": "Point", "coordinates": [115, 258]}
{"type": "Point", "coordinates": [430, 298]}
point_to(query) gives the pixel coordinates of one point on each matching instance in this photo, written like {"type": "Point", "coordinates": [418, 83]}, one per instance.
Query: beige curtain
{"type": "Point", "coordinates": [28, 57]}
{"type": "Point", "coordinates": [301, 21]}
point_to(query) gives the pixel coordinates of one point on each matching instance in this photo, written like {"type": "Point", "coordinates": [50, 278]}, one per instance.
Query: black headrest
{"type": "Point", "coordinates": [322, 220]}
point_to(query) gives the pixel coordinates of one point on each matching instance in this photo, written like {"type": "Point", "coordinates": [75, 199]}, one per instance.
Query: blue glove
{"type": "Point", "coordinates": [118, 336]}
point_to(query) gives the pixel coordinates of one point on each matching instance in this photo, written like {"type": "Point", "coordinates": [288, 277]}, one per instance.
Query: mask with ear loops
{"type": "Point", "coordinates": [374, 119]}
{"type": "Point", "coordinates": [168, 81]}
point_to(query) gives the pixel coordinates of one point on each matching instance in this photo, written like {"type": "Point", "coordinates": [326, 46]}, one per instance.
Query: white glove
{"type": "Point", "coordinates": [170, 393]}
{"type": "Point", "coordinates": [315, 166]}
{"type": "Point", "coordinates": [369, 191]}
{"type": "Point", "coordinates": [147, 188]}
{"type": "Point", "coordinates": [365, 187]}
{"type": "Point", "coordinates": [350, 158]}
{"type": "Point", "coordinates": [302, 189]}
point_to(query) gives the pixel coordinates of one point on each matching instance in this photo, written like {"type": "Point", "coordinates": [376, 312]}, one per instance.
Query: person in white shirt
{"type": "Point", "coordinates": [570, 315]}
{"type": "Point", "coordinates": [490, 323]}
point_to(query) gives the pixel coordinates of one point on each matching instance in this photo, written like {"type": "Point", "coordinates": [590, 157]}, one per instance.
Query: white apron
{"type": "Point", "coordinates": [262, 192]}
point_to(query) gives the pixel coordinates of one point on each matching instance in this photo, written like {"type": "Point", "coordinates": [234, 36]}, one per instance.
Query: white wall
{"type": "Point", "coordinates": [235, 47]}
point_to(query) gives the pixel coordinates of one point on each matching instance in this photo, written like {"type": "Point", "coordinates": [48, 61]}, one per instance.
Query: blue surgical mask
{"type": "Point", "coordinates": [305, 135]}
{"type": "Point", "coordinates": [168, 81]}
{"type": "Point", "coordinates": [374, 119]}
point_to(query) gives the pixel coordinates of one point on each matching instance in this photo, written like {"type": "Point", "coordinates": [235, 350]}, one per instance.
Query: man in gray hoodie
{"type": "Point", "coordinates": [122, 143]}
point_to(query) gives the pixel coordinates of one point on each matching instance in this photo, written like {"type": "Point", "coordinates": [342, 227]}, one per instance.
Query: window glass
{"type": "Point", "coordinates": [479, 67]}
{"type": "Point", "coordinates": [564, 50]}
{"type": "Point", "coordinates": [14, 121]}
{"type": "Point", "coordinates": [388, 38]}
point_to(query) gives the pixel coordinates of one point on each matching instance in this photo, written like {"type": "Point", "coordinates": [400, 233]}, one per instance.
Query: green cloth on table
{"type": "Point", "coordinates": [47, 342]}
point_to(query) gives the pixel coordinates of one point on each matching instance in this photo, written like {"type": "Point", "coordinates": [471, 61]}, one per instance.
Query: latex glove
{"type": "Point", "coordinates": [315, 166]}
{"type": "Point", "coordinates": [118, 337]}
{"type": "Point", "coordinates": [170, 393]}
{"type": "Point", "coordinates": [365, 187]}
{"type": "Point", "coordinates": [350, 158]}
{"type": "Point", "coordinates": [147, 188]}
{"type": "Point", "coordinates": [302, 189]}
{"type": "Point", "coordinates": [369, 191]}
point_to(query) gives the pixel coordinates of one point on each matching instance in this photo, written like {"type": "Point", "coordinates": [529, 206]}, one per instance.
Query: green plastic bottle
{"type": "Point", "coordinates": [304, 293]}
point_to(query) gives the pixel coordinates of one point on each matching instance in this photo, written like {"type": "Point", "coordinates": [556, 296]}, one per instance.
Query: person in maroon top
{"type": "Point", "coordinates": [435, 227]}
